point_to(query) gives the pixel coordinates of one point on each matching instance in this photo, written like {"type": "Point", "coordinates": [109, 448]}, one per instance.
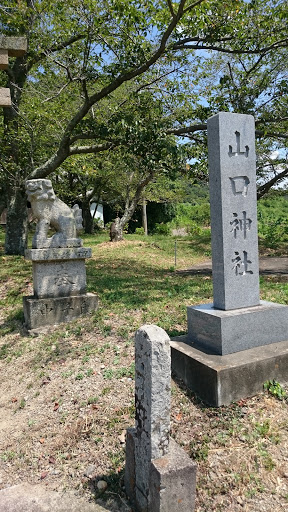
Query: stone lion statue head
{"type": "Point", "coordinates": [40, 190]}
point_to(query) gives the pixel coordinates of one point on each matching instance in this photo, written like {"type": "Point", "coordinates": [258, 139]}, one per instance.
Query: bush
{"type": "Point", "coordinates": [139, 231]}
{"type": "Point", "coordinates": [274, 231]}
{"type": "Point", "coordinates": [162, 229]}
{"type": "Point", "coordinates": [98, 225]}
{"type": "Point", "coordinates": [272, 221]}
{"type": "Point", "coordinates": [192, 217]}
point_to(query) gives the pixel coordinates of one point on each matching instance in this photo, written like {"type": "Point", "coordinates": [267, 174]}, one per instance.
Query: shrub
{"type": "Point", "coordinates": [98, 225]}
{"type": "Point", "coordinates": [272, 221]}
{"type": "Point", "coordinates": [162, 229]}
{"type": "Point", "coordinates": [139, 231]}
{"type": "Point", "coordinates": [192, 216]}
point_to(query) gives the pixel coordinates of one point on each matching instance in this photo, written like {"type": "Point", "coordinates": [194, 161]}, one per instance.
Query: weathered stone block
{"type": "Point", "coordinates": [5, 98]}
{"type": "Point", "coordinates": [171, 480]}
{"type": "Point", "coordinates": [59, 278]}
{"type": "Point", "coordinates": [3, 59]}
{"type": "Point", "coordinates": [220, 380]}
{"type": "Point", "coordinates": [130, 465]}
{"type": "Point", "coordinates": [60, 253]}
{"type": "Point", "coordinates": [48, 311]}
{"type": "Point", "coordinates": [226, 332]}
{"type": "Point", "coordinates": [16, 46]}
{"type": "Point", "coordinates": [159, 476]}
{"type": "Point", "coordinates": [152, 400]}
{"type": "Point", "coordinates": [175, 476]}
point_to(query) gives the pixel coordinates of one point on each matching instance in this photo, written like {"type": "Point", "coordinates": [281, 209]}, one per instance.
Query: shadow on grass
{"type": "Point", "coordinates": [199, 244]}
{"type": "Point", "coordinates": [172, 333]}
{"type": "Point", "coordinates": [189, 394]}
{"type": "Point", "coordinates": [135, 285]}
{"type": "Point", "coordinates": [115, 498]}
{"type": "Point", "coordinates": [13, 322]}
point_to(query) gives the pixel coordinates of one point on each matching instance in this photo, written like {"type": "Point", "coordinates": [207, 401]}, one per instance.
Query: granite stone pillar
{"type": "Point", "coordinates": [237, 321]}
{"type": "Point", "coordinates": [159, 475]}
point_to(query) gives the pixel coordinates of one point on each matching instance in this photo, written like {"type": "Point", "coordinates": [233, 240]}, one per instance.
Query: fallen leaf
{"type": "Point", "coordinates": [43, 475]}
{"type": "Point", "coordinates": [56, 406]}
{"type": "Point", "coordinates": [52, 459]}
{"type": "Point", "coordinates": [14, 399]}
{"type": "Point", "coordinates": [42, 440]}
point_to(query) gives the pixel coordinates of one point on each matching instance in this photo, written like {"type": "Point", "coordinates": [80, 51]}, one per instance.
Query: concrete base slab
{"type": "Point", "coordinates": [172, 480]}
{"type": "Point", "coordinates": [53, 311]}
{"type": "Point", "coordinates": [33, 498]}
{"type": "Point", "coordinates": [222, 379]}
{"type": "Point", "coordinates": [225, 332]}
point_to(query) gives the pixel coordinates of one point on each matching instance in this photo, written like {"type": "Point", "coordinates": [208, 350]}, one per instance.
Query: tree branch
{"type": "Point", "coordinates": [191, 6]}
{"type": "Point", "coordinates": [260, 133]}
{"type": "Point", "coordinates": [64, 146]}
{"type": "Point", "coordinates": [271, 120]}
{"type": "Point", "coordinates": [56, 94]}
{"type": "Point", "coordinates": [171, 8]}
{"type": "Point", "coordinates": [94, 148]}
{"type": "Point", "coordinates": [263, 189]}
{"type": "Point", "coordinates": [183, 46]}
{"type": "Point", "coordinates": [53, 49]}
{"type": "Point", "coordinates": [187, 129]}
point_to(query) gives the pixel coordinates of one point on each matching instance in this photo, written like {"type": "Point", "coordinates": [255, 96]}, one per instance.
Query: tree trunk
{"type": "Point", "coordinates": [116, 230]}
{"type": "Point", "coordinates": [87, 217]}
{"type": "Point", "coordinates": [130, 208]}
{"type": "Point", "coordinates": [144, 216]}
{"type": "Point", "coordinates": [16, 224]}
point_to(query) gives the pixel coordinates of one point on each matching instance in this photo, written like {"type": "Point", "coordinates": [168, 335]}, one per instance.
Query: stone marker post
{"type": "Point", "coordinates": [9, 47]}
{"type": "Point", "coordinates": [235, 320]}
{"type": "Point", "coordinates": [223, 358]}
{"type": "Point", "coordinates": [159, 475]}
{"type": "Point", "coordinates": [232, 179]}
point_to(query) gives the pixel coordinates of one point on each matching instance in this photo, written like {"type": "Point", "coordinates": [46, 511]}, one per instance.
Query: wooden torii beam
{"type": "Point", "coordinates": [9, 47]}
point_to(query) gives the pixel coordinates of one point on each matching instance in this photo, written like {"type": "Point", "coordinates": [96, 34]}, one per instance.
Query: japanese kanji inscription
{"type": "Point", "coordinates": [232, 169]}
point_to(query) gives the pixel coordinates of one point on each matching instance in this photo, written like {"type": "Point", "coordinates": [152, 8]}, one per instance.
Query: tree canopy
{"type": "Point", "coordinates": [125, 75]}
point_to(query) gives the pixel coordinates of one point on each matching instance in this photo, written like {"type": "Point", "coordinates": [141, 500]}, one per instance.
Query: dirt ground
{"type": "Point", "coordinates": [67, 396]}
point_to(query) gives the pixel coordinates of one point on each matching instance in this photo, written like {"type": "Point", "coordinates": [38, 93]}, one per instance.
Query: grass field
{"type": "Point", "coordinates": [67, 394]}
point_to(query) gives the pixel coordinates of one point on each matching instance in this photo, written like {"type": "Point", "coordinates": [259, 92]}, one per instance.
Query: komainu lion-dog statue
{"type": "Point", "coordinates": [51, 212]}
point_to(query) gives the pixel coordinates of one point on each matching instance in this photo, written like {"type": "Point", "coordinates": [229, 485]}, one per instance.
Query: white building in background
{"type": "Point", "coordinates": [99, 211]}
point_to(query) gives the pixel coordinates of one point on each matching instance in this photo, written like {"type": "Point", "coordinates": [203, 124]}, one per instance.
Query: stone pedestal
{"type": "Point", "coordinates": [171, 479]}
{"type": "Point", "coordinates": [225, 332]}
{"type": "Point", "coordinates": [59, 285]}
{"type": "Point", "coordinates": [220, 380]}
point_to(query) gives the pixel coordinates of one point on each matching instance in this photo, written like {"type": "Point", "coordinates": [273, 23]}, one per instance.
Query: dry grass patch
{"type": "Point", "coordinates": [67, 395]}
